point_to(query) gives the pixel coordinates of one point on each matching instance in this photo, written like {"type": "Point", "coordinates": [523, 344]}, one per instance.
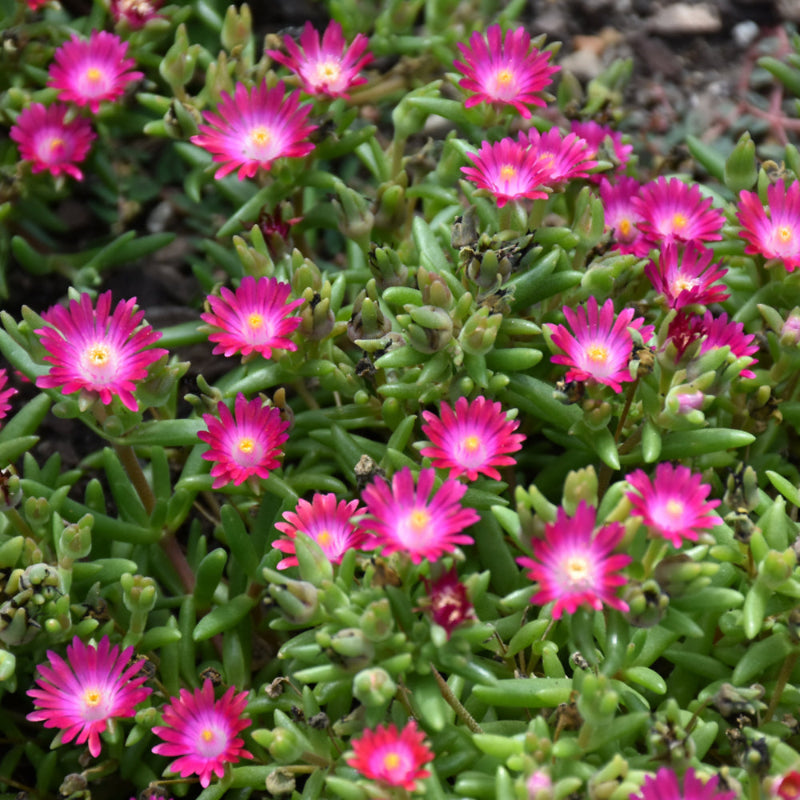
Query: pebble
{"type": "Point", "coordinates": [744, 33]}
{"type": "Point", "coordinates": [683, 18]}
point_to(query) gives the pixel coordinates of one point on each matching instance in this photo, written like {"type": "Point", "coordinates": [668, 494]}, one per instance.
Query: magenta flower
{"type": "Point", "coordinates": [35, 5]}
{"type": "Point", "coordinates": [685, 276]}
{"type": "Point", "coordinates": [786, 787]}
{"type": "Point", "coordinates": [203, 732]}
{"type": "Point", "coordinates": [599, 347]}
{"type": "Point", "coordinates": [674, 503]}
{"type": "Point", "coordinates": [504, 71]}
{"type": "Point", "coordinates": [86, 73]}
{"type": "Point", "coordinates": [720, 332]}
{"type": "Point", "coordinates": [253, 319]}
{"type": "Point", "coordinates": [508, 170]}
{"type": "Point", "coordinates": [99, 352]}
{"type": "Point", "coordinates": [5, 394]}
{"type": "Point", "coordinates": [474, 438]}
{"type": "Point", "coordinates": [405, 518]}
{"type": "Point", "coordinates": [243, 444]}
{"type": "Point", "coordinates": [330, 67]}
{"type": "Point", "coordinates": [573, 565]}
{"type": "Point", "coordinates": [666, 786]}
{"type": "Point", "coordinates": [50, 142]}
{"type": "Point", "coordinates": [596, 136]}
{"type": "Point", "coordinates": [674, 211]}
{"type": "Point", "coordinates": [80, 695]}
{"type": "Point", "coordinates": [621, 216]}
{"type": "Point", "coordinates": [447, 601]}
{"type": "Point", "coordinates": [326, 522]}
{"type": "Point", "coordinates": [562, 158]}
{"type": "Point", "coordinates": [135, 13]}
{"type": "Point", "coordinates": [253, 128]}
{"type": "Point", "coordinates": [392, 757]}
{"type": "Point", "coordinates": [773, 233]}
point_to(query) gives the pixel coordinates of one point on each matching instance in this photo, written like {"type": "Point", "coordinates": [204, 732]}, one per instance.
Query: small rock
{"type": "Point", "coordinates": [683, 18]}
{"type": "Point", "coordinates": [744, 33]}
{"type": "Point", "coordinates": [584, 64]}
{"type": "Point", "coordinates": [789, 10]}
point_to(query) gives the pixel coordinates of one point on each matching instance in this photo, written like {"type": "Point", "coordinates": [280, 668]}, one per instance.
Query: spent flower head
{"type": "Point", "coordinates": [773, 232]}
{"type": "Point", "coordinates": [80, 695]}
{"type": "Point", "coordinates": [574, 566]}
{"type": "Point", "coordinates": [447, 601]}
{"type": "Point", "coordinates": [88, 72]}
{"type": "Point", "coordinates": [252, 128]}
{"type": "Point", "coordinates": [471, 438]}
{"type": "Point", "coordinates": [135, 13]}
{"type": "Point", "coordinates": [203, 732]}
{"type": "Point", "coordinates": [504, 70]}
{"type": "Point", "coordinates": [253, 318]}
{"type": "Point", "coordinates": [328, 67]}
{"type": "Point", "coordinates": [97, 351]}
{"type": "Point", "coordinates": [50, 141]}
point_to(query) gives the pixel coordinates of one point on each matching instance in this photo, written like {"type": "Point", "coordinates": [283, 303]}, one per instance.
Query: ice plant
{"type": "Point", "coordinates": [621, 217]}
{"type": "Point", "coordinates": [775, 232]}
{"type": "Point", "coordinates": [88, 72]}
{"type": "Point", "coordinates": [674, 504]}
{"type": "Point", "coordinates": [244, 443]}
{"type": "Point", "coordinates": [252, 128]}
{"type": "Point", "coordinates": [203, 732]}
{"type": "Point", "coordinates": [508, 170]}
{"type": "Point", "coordinates": [97, 351]}
{"type": "Point", "coordinates": [719, 332]}
{"type": "Point", "coordinates": [504, 70]}
{"type": "Point", "coordinates": [447, 601]}
{"type": "Point", "coordinates": [329, 67]}
{"type": "Point", "coordinates": [665, 785]}
{"type": "Point", "coordinates": [392, 757]}
{"type": "Point", "coordinates": [471, 438]}
{"type": "Point", "coordinates": [574, 566]}
{"type": "Point", "coordinates": [326, 522]}
{"type": "Point", "coordinates": [562, 158]}
{"type": "Point", "coordinates": [599, 346]}
{"type": "Point", "coordinates": [5, 394]}
{"type": "Point", "coordinates": [685, 276]}
{"type": "Point", "coordinates": [672, 210]}
{"type": "Point", "coordinates": [95, 685]}
{"type": "Point", "coordinates": [596, 136]}
{"type": "Point", "coordinates": [135, 13]}
{"type": "Point", "coordinates": [50, 141]}
{"type": "Point", "coordinates": [252, 319]}
{"type": "Point", "coordinates": [787, 787]}
{"type": "Point", "coordinates": [408, 518]}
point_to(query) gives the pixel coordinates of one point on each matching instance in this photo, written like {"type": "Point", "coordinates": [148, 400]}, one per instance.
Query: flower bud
{"type": "Point", "coordinates": [377, 621]}
{"type": "Point", "coordinates": [298, 600]}
{"type": "Point", "coordinates": [178, 65]}
{"type": "Point", "coordinates": [316, 317]}
{"type": "Point", "coordinates": [479, 333]}
{"type": "Point", "coordinates": [351, 648]}
{"type": "Point", "coordinates": [75, 541]}
{"type": "Point", "coordinates": [434, 288]}
{"type": "Point", "coordinates": [374, 687]}
{"type": "Point", "coordinates": [386, 267]}
{"type": "Point", "coordinates": [138, 592]}
{"type": "Point", "coordinates": [647, 604]}
{"type": "Point", "coordinates": [777, 568]}
{"type": "Point", "coordinates": [790, 330]}
{"type": "Point", "coordinates": [740, 167]}
{"type": "Point", "coordinates": [237, 29]}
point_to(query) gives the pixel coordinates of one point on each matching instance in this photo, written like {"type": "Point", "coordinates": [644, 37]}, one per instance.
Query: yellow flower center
{"type": "Point", "coordinates": [93, 74]}
{"type": "Point", "coordinates": [92, 697]}
{"type": "Point", "coordinates": [624, 227]}
{"type": "Point", "coordinates": [504, 77]}
{"type": "Point", "coordinates": [679, 221]}
{"type": "Point", "coordinates": [391, 761]}
{"type": "Point", "coordinates": [472, 443]}
{"type": "Point", "coordinates": [328, 71]}
{"type": "Point", "coordinates": [56, 143]}
{"type": "Point", "coordinates": [98, 354]}
{"type": "Point", "coordinates": [419, 520]}
{"type": "Point", "coordinates": [255, 320]}
{"type": "Point", "coordinates": [674, 507]}
{"type": "Point", "coordinates": [507, 172]}
{"type": "Point", "coordinates": [207, 735]}
{"type": "Point", "coordinates": [784, 234]}
{"type": "Point", "coordinates": [577, 568]}
{"type": "Point", "coordinates": [247, 444]}
{"type": "Point", "coordinates": [597, 353]}
{"type": "Point", "coordinates": [260, 136]}
{"type": "Point", "coordinates": [324, 538]}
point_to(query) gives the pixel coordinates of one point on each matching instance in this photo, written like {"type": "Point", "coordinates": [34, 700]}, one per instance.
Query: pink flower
{"type": "Point", "coordinates": [5, 394]}
{"type": "Point", "coordinates": [474, 438]}
{"type": "Point", "coordinates": [674, 504]}
{"type": "Point", "coordinates": [329, 68]}
{"type": "Point", "coordinates": [621, 216]}
{"type": "Point", "coordinates": [244, 443]}
{"type": "Point", "coordinates": [253, 319]}
{"type": "Point", "coordinates": [721, 333]}
{"type": "Point", "coordinates": [326, 522]}
{"type": "Point", "coordinates": [78, 696]}
{"type": "Point", "coordinates": [447, 601]}
{"type": "Point", "coordinates": [773, 233]}
{"type": "Point", "coordinates": [98, 351]}
{"type": "Point", "coordinates": [599, 347]}
{"type": "Point", "coordinates": [561, 157]}
{"type": "Point", "coordinates": [685, 276]}
{"type": "Point", "coordinates": [35, 5]}
{"type": "Point", "coordinates": [405, 518]}
{"type": "Point", "coordinates": [787, 787]}
{"type": "Point", "coordinates": [504, 71]}
{"type": "Point", "coordinates": [87, 73]}
{"type": "Point", "coordinates": [508, 170]}
{"type": "Point", "coordinates": [597, 136]}
{"type": "Point", "coordinates": [50, 142]}
{"type": "Point", "coordinates": [674, 211]}
{"type": "Point", "coordinates": [392, 757]}
{"type": "Point", "coordinates": [666, 786]}
{"type": "Point", "coordinates": [253, 128]}
{"type": "Point", "coordinates": [135, 13]}
{"type": "Point", "coordinates": [203, 732]}
{"type": "Point", "coordinates": [573, 565]}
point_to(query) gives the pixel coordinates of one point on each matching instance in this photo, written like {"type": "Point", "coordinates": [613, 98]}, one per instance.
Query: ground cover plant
{"type": "Point", "coordinates": [467, 466]}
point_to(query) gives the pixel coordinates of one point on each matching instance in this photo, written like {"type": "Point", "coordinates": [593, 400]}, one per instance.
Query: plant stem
{"type": "Point", "coordinates": [455, 703]}
{"type": "Point", "coordinates": [783, 678]}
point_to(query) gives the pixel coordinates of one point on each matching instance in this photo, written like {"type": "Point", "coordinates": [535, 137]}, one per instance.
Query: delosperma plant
{"type": "Point", "coordinates": [470, 467]}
